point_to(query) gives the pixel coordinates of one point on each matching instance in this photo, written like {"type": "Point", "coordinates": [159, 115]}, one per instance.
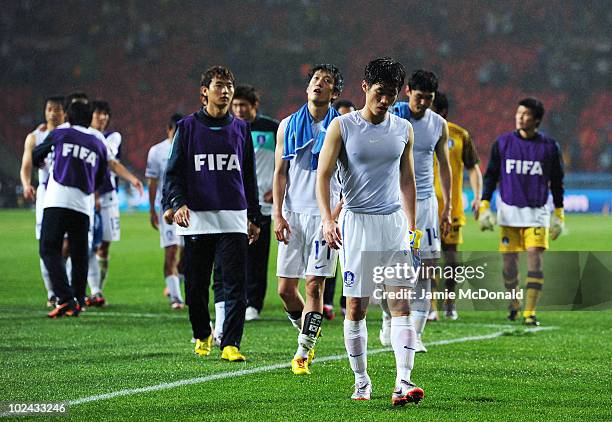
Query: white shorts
{"type": "Point", "coordinates": [307, 254]}
{"type": "Point", "coordinates": [427, 222]}
{"type": "Point", "coordinates": [167, 233]}
{"type": "Point", "coordinates": [370, 240]}
{"type": "Point", "coordinates": [40, 199]}
{"type": "Point", "coordinates": [111, 231]}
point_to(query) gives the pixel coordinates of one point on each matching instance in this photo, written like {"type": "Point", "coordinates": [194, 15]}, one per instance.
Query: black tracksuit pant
{"type": "Point", "coordinates": [55, 224]}
{"type": "Point", "coordinates": [257, 269]}
{"type": "Point", "coordinates": [200, 252]}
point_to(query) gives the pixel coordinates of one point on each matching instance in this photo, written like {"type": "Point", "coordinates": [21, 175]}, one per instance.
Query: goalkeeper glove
{"type": "Point", "coordinates": [415, 243]}
{"type": "Point", "coordinates": [557, 223]}
{"type": "Point", "coordinates": [486, 219]}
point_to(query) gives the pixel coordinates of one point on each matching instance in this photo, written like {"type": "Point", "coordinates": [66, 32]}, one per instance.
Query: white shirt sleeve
{"type": "Point", "coordinates": [153, 167]}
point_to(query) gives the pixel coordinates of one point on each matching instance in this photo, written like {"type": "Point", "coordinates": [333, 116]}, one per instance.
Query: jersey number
{"type": "Point", "coordinates": [431, 235]}
{"type": "Point", "coordinates": [319, 245]}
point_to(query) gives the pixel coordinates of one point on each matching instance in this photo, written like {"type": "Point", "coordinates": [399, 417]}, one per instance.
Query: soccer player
{"type": "Point", "coordinates": [343, 107]}
{"type": "Point", "coordinates": [54, 116]}
{"type": "Point", "coordinates": [245, 105]}
{"type": "Point", "coordinates": [302, 251]}
{"type": "Point", "coordinates": [526, 164]}
{"type": "Point", "coordinates": [211, 186]}
{"type": "Point", "coordinates": [430, 137]}
{"type": "Point", "coordinates": [373, 151]}
{"type": "Point", "coordinates": [462, 154]}
{"type": "Point", "coordinates": [172, 244]}
{"type": "Point", "coordinates": [79, 168]}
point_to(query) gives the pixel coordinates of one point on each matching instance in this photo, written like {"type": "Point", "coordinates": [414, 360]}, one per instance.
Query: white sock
{"type": "Point", "coordinates": [46, 280]}
{"type": "Point", "coordinates": [174, 287]}
{"type": "Point", "coordinates": [68, 264]}
{"type": "Point", "coordinates": [305, 343]}
{"type": "Point", "coordinates": [418, 320]}
{"type": "Point", "coordinates": [93, 275]}
{"type": "Point", "coordinates": [297, 323]}
{"type": "Point", "coordinates": [103, 263]}
{"type": "Point", "coordinates": [420, 307]}
{"type": "Point", "coordinates": [219, 318]}
{"type": "Point", "coordinates": [356, 343]}
{"type": "Point", "coordinates": [403, 338]}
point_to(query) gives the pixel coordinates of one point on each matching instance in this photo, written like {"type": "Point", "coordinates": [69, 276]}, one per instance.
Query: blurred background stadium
{"type": "Point", "coordinates": [145, 58]}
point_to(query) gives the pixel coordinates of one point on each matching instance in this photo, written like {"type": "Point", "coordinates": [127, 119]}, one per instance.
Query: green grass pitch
{"type": "Point", "coordinates": [478, 368]}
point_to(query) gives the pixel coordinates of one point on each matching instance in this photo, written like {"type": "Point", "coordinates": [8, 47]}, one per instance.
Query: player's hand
{"type": "Point", "coordinates": [268, 197]}
{"type": "Point", "coordinates": [137, 184]}
{"type": "Point", "coordinates": [486, 219]}
{"type": "Point", "coordinates": [282, 229]}
{"type": "Point", "coordinates": [445, 221]}
{"type": "Point", "coordinates": [332, 234]}
{"type": "Point", "coordinates": [557, 223]}
{"type": "Point", "coordinates": [29, 193]}
{"type": "Point", "coordinates": [181, 217]}
{"type": "Point", "coordinates": [169, 216]}
{"type": "Point", "coordinates": [476, 208]}
{"type": "Point", "coordinates": [154, 220]}
{"type": "Point", "coordinates": [253, 233]}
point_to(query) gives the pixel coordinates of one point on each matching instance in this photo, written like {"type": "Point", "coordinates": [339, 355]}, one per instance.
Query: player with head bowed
{"type": "Point", "coordinates": [302, 250]}
{"type": "Point", "coordinates": [211, 186]}
{"type": "Point", "coordinates": [430, 138]}
{"type": "Point", "coordinates": [526, 164]}
{"type": "Point", "coordinates": [373, 151]}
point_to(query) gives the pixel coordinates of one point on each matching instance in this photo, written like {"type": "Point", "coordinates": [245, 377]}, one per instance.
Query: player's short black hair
{"type": "Point", "coordinates": [333, 71]}
{"type": "Point", "coordinates": [219, 72]}
{"type": "Point", "coordinates": [174, 119]}
{"type": "Point", "coordinates": [55, 99]}
{"type": "Point", "coordinates": [385, 71]}
{"type": "Point", "coordinates": [343, 103]}
{"type": "Point", "coordinates": [440, 102]}
{"type": "Point", "coordinates": [79, 96]}
{"type": "Point", "coordinates": [101, 105]}
{"type": "Point", "coordinates": [535, 105]}
{"type": "Point", "coordinates": [247, 93]}
{"type": "Point", "coordinates": [423, 80]}
{"type": "Point", "coordinates": [79, 114]}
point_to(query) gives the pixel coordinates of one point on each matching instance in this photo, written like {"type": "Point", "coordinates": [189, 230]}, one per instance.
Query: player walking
{"type": "Point", "coordinates": [54, 116]}
{"type": "Point", "coordinates": [373, 150]}
{"type": "Point", "coordinates": [526, 164]}
{"type": "Point", "coordinates": [157, 161]}
{"type": "Point", "coordinates": [462, 154]}
{"type": "Point", "coordinates": [302, 251]}
{"type": "Point", "coordinates": [430, 136]}
{"type": "Point", "coordinates": [212, 187]}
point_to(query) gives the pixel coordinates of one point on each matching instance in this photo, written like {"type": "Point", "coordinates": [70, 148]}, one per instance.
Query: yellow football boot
{"type": "Point", "coordinates": [203, 347]}
{"type": "Point", "coordinates": [232, 354]}
{"type": "Point", "coordinates": [299, 366]}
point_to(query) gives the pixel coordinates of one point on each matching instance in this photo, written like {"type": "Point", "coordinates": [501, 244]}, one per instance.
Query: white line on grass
{"type": "Point", "coordinates": [234, 374]}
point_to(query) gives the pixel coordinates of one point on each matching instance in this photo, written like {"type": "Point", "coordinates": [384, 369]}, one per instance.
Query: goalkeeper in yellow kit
{"type": "Point", "coordinates": [526, 164]}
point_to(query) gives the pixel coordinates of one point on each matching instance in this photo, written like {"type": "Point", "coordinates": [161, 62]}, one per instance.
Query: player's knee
{"type": "Point", "coordinates": [287, 292]}
{"type": "Point", "coordinates": [314, 289]}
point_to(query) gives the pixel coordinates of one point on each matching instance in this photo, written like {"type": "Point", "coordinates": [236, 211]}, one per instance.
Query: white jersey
{"type": "Point", "coordinates": [427, 132]}
{"type": "Point", "coordinates": [300, 194]}
{"type": "Point", "coordinates": [157, 161]}
{"type": "Point", "coordinates": [369, 162]}
{"type": "Point", "coordinates": [112, 142]}
{"type": "Point", "coordinates": [43, 172]}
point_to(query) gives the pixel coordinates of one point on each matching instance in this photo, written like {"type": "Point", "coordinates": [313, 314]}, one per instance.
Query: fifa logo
{"type": "Point", "coordinates": [80, 152]}
{"type": "Point", "coordinates": [216, 162]}
{"type": "Point", "coordinates": [527, 167]}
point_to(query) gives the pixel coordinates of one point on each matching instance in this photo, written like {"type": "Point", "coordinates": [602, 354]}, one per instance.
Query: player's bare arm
{"type": "Point", "coordinates": [475, 176]}
{"type": "Point", "coordinates": [408, 182]}
{"type": "Point", "coordinates": [125, 174]}
{"type": "Point", "coordinates": [325, 170]}
{"type": "Point", "coordinates": [152, 181]}
{"type": "Point", "coordinates": [282, 230]}
{"type": "Point", "coordinates": [25, 173]}
{"type": "Point", "coordinates": [445, 179]}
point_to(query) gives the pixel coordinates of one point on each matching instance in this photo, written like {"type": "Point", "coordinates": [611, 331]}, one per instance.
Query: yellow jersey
{"type": "Point", "coordinates": [461, 153]}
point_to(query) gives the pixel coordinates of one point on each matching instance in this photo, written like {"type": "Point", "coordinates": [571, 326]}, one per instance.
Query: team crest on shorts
{"type": "Point", "coordinates": [349, 279]}
{"type": "Point", "coordinates": [505, 240]}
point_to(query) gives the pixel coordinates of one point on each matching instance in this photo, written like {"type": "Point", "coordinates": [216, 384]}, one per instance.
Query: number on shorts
{"type": "Point", "coordinates": [320, 245]}
{"type": "Point", "coordinates": [431, 235]}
